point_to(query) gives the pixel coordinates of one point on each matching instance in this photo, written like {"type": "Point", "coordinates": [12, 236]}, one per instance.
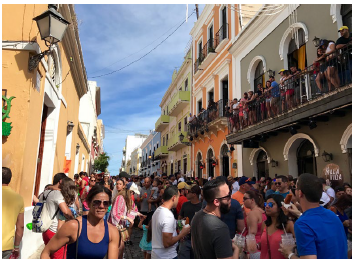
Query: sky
{"type": "Point", "coordinates": [112, 37]}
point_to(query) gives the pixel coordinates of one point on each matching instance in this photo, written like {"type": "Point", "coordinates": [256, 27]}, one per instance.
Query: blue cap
{"type": "Point", "coordinates": [322, 42]}
{"type": "Point", "coordinates": [244, 180]}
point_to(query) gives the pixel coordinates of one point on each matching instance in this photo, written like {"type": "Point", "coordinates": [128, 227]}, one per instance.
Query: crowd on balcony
{"type": "Point", "coordinates": [331, 69]}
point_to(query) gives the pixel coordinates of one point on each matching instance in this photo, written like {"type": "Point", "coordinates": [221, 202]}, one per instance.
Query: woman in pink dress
{"type": "Point", "coordinates": [272, 228]}
{"type": "Point", "coordinates": [255, 202]}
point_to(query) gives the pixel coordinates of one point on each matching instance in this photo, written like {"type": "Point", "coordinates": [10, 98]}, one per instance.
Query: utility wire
{"type": "Point", "coordinates": [145, 54]}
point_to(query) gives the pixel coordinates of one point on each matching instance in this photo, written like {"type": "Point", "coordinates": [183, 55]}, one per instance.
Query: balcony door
{"type": "Point", "coordinates": [224, 22]}
{"type": "Point", "coordinates": [262, 165]}
{"type": "Point", "coordinates": [210, 40]}
{"type": "Point", "coordinates": [198, 161]}
{"type": "Point", "coordinates": [224, 96]}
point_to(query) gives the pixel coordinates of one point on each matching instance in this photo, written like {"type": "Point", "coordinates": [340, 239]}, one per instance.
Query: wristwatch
{"type": "Point", "coordinates": [290, 255]}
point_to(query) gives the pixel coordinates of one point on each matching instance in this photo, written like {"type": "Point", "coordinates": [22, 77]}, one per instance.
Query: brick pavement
{"type": "Point", "coordinates": [134, 252]}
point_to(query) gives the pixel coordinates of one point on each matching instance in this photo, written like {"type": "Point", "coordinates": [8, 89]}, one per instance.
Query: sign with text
{"type": "Point", "coordinates": [333, 175]}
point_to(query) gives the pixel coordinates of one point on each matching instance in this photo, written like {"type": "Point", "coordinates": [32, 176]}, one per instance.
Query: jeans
{"type": "Point", "coordinates": [185, 250]}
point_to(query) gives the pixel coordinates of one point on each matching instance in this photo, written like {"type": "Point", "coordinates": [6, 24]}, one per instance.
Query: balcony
{"type": "Point", "coordinates": [162, 123]}
{"type": "Point", "coordinates": [210, 121]}
{"type": "Point", "coordinates": [222, 38]}
{"type": "Point", "coordinates": [161, 152]}
{"type": "Point", "coordinates": [304, 99]}
{"type": "Point", "coordinates": [174, 143]}
{"type": "Point", "coordinates": [180, 100]}
{"type": "Point", "coordinates": [206, 56]}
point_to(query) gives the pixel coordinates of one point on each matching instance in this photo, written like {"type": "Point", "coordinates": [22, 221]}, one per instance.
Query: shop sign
{"type": "Point", "coordinates": [333, 175]}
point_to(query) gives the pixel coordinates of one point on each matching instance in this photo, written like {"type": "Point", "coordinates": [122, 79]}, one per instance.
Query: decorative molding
{"type": "Point", "coordinates": [252, 66]}
{"type": "Point", "coordinates": [253, 155]}
{"type": "Point", "coordinates": [286, 38]}
{"type": "Point", "coordinates": [208, 19]}
{"type": "Point", "coordinates": [83, 138]}
{"type": "Point", "coordinates": [293, 139]}
{"type": "Point", "coordinates": [345, 138]}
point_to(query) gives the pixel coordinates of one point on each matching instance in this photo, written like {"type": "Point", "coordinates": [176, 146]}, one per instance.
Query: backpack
{"type": "Point", "coordinates": [41, 220]}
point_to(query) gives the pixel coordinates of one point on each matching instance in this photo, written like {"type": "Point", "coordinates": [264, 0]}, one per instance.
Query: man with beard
{"type": "Point", "coordinates": [209, 234]}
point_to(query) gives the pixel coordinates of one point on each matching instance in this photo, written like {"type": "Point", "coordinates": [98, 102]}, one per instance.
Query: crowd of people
{"type": "Point", "coordinates": [331, 69]}
{"type": "Point", "coordinates": [186, 218]}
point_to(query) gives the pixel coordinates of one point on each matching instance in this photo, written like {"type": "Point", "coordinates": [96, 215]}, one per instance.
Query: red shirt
{"type": "Point", "coordinates": [182, 200]}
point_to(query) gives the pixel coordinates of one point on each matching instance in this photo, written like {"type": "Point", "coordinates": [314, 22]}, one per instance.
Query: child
{"type": "Point", "coordinates": [146, 241]}
{"type": "Point", "coordinates": [153, 195]}
{"type": "Point", "coordinates": [68, 190]}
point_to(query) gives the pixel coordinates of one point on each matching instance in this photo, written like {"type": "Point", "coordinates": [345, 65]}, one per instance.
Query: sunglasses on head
{"type": "Point", "coordinates": [270, 204]}
{"type": "Point", "coordinates": [97, 203]}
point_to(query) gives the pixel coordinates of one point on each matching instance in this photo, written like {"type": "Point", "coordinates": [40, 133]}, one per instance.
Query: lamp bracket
{"type": "Point", "coordinates": [34, 60]}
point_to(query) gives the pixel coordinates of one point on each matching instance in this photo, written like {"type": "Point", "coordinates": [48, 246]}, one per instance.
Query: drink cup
{"type": "Point", "coordinates": [287, 239]}
{"type": "Point", "coordinates": [239, 240]}
{"type": "Point", "coordinates": [251, 244]}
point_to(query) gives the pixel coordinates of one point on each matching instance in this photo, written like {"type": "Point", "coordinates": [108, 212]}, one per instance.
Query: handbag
{"type": "Point", "coordinates": [268, 245]}
{"type": "Point", "coordinates": [123, 232]}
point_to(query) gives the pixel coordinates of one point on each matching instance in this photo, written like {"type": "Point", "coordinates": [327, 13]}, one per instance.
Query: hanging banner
{"type": "Point", "coordinates": [67, 164]}
{"type": "Point", "coordinates": [333, 175]}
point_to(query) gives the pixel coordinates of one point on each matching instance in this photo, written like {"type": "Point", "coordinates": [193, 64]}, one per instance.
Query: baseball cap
{"type": "Point", "coordinates": [244, 180]}
{"type": "Point", "coordinates": [182, 185]}
{"type": "Point", "coordinates": [324, 199]}
{"type": "Point", "coordinates": [322, 42]}
{"type": "Point", "coordinates": [342, 28]}
{"type": "Point", "coordinates": [282, 70]}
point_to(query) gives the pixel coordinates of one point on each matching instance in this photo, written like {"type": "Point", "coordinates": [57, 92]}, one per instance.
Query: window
{"type": "Point", "coordinates": [164, 112]}
{"type": "Point", "coordinates": [210, 39]}
{"type": "Point", "coordinates": [185, 165]}
{"type": "Point", "coordinates": [167, 111]}
{"type": "Point", "coordinates": [167, 137]}
{"type": "Point", "coordinates": [210, 96]}
{"type": "Point", "coordinates": [199, 106]}
{"type": "Point", "coordinates": [179, 165]}
{"type": "Point", "coordinates": [157, 145]}
{"type": "Point", "coordinates": [346, 13]}
{"type": "Point", "coordinates": [187, 84]}
{"type": "Point", "coordinates": [180, 126]}
{"type": "Point", "coordinates": [297, 56]}
{"type": "Point", "coordinates": [185, 124]}
{"type": "Point", "coordinates": [200, 50]}
{"type": "Point", "coordinates": [163, 141]}
{"type": "Point", "coordinates": [259, 76]}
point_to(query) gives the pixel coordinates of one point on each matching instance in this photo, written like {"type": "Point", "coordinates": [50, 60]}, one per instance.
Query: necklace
{"type": "Point", "coordinates": [210, 212]}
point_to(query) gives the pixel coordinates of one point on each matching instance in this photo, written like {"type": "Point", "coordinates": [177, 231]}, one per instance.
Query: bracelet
{"type": "Point", "coordinates": [290, 255]}
{"type": "Point", "coordinates": [16, 247]}
{"type": "Point", "coordinates": [300, 215]}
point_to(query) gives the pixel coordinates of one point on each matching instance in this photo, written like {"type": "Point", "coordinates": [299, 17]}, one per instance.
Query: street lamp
{"type": "Point", "coordinates": [270, 72]}
{"type": "Point", "coordinates": [316, 41]}
{"type": "Point", "coordinates": [70, 126]}
{"type": "Point", "coordinates": [327, 157]}
{"type": "Point", "coordinates": [274, 163]}
{"type": "Point", "coordinates": [181, 137]}
{"type": "Point", "coordinates": [77, 148]}
{"type": "Point", "coordinates": [52, 26]}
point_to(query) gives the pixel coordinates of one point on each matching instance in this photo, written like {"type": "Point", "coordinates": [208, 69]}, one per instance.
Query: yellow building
{"type": "Point", "coordinates": [46, 133]}
{"type": "Point", "coordinates": [175, 107]}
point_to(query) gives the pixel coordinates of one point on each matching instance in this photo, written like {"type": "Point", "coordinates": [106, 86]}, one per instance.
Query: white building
{"type": "Point", "coordinates": [89, 110]}
{"type": "Point", "coordinates": [135, 163]}
{"type": "Point", "coordinates": [132, 142]}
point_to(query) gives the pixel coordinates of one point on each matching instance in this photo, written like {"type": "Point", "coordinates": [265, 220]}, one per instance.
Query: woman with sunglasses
{"type": "Point", "coordinates": [88, 237]}
{"type": "Point", "coordinates": [92, 183]}
{"type": "Point", "coordinates": [273, 228]}
{"type": "Point", "coordinates": [255, 202]}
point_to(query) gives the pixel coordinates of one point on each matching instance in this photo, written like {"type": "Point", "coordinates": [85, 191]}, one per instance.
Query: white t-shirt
{"type": "Point", "coordinates": [175, 183]}
{"type": "Point", "coordinates": [181, 179]}
{"type": "Point", "coordinates": [53, 200]}
{"type": "Point", "coordinates": [330, 191]}
{"type": "Point", "coordinates": [163, 221]}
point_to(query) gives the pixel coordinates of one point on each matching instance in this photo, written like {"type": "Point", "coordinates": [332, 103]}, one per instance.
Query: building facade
{"type": "Point", "coordinates": [42, 105]}
{"type": "Point", "coordinates": [132, 142]}
{"type": "Point", "coordinates": [135, 161]}
{"type": "Point", "coordinates": [150, 164]}
{"type": "Point", "coordinates": [310, 129]}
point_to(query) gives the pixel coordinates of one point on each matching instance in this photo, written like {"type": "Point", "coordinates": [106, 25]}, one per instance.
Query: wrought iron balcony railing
{"type": "Point", "coordinates": [209, 47]}
{"type": "Point", "coordinates": [214, 111]}
{"type": "Point", "coordinates": [222, 34]}
{"type": "Point", "coordinates": [313, 82]}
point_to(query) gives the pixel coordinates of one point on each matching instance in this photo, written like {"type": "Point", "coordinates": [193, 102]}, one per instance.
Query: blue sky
{"type": "Point", "coordinates": [113, 36]}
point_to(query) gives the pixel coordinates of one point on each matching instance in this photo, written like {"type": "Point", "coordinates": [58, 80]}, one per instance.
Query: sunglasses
{"type": "Point", "coordinates": [245, 198]}
{"type": "Point", "coordinates": [97, 203]}
{"type": "Point", "coordinates": [277, 183]}
{"type": "Point", "coordinates": [92, 180]}
{"type": "Point", "coordinates": [229, 196]}
{"type": "Point", "coordinates": [270, 204]}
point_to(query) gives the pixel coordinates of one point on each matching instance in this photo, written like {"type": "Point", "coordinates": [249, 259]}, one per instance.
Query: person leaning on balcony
{"type": "Point", "coordinates": [235, 115]}
{"type": "Point", "coordinates": [331, 73]}
{"type": "Point", "coordinates": [319, 68]}
{"type": "Point", "coordinates": [268, 97]}
{"type": "Point", "coordinates": [12, 217]}
{"type": "Point", "coordinates": [275, 94]}
{"type": "Point", "coordinates": [341, 43]}
{"type": "Point", "coordinates": [284, 75]}
{"type": "Point", "coordinates": [251, 107]}
{"type": "Point", "coordinates": [242, 112]}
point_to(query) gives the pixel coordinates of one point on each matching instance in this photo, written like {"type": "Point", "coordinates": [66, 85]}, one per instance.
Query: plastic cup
{"type": "Point", "coordinates": [287, 240]}
{"type": "Point", "coordinates": [239, 240]}
{"type": "Point", "coordinates": [251, 244]}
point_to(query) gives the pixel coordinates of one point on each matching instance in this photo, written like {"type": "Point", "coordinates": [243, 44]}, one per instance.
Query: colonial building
{"type": "Point", "coordinates": [43, 134]}
{"type": "Point", "coordinates": [132, 142]}
{"type": "Point", "coordinates": [310, 127]}
{"type": "Point", "coordinates": [212, 36]}
{"type": "Point", "coordinates": [175, 109]}
{"type": "Point", "coordinates": [149, 164]}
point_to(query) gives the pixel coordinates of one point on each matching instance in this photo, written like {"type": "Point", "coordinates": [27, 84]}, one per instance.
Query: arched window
{"type": "Point", "coordinates": [262, 165]}
{"type": "Point", "coordinates": [210, 159]}
{"type": "Point", "coordinates": [225, 160]}
{"type": "Point", "coordinates": [199, 160]}
{"type": "Point", "coordinates": [297, 54]}
{"type": "Point", "coordinates": [259, 76]}
{"type": "Point", "coordinates": [346, 14]}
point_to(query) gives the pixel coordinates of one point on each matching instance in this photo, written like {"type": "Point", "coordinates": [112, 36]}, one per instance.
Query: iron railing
{"type": "Point", "coordinates": [209, 47]}
{"type": "Point", "coordinates": [222, 34]}
{"type": "Point", "coordinates": [313, 82]}
{"type": "Point", "coordinates": [214, 111]}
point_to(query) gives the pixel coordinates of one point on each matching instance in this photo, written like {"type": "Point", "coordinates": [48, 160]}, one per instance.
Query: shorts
{"type": "Point", "coordinates": [290, 92]}
{"type": "Point", "coordinates": [275, 100]}
{"type": "Point", "coordinates": [148, 251]}
{"type": "Point", "coordinates": [268, 99]}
